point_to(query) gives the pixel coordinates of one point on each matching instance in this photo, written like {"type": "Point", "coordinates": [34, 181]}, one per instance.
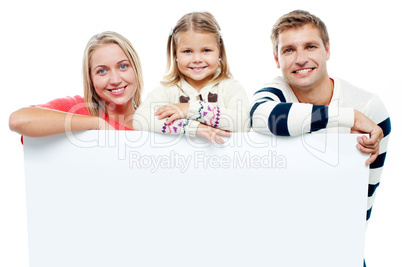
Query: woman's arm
{"type": "Point", "coordinates": [37, 122]}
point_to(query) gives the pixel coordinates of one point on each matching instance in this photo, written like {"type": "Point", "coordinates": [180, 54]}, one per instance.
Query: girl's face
{"type": "Point", "coordinates": [113, 77]}
{"type": "Point", "coordinates": [197, 57]}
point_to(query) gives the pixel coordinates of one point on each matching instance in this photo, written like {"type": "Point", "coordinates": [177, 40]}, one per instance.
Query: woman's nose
{"type": "Point", "coordinates": [115, 77]}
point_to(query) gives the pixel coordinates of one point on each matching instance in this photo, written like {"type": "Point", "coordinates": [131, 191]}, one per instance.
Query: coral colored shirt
{"type": "Point", "coordinates": [76, 105]}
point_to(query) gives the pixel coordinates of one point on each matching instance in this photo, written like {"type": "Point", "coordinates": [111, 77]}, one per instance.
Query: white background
{"type": "Point", "coordinates": [42, 44]}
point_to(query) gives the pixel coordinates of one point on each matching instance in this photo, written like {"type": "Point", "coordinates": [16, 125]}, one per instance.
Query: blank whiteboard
{"type": "Point", "coordinates": [117, 198]}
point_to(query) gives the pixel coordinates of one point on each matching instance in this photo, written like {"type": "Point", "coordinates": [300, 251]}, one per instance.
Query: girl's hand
{"type": "Point", "coordinates": [173, 111]}
{"type": "Point", "coordinates": [212, 133]}
{"type": "Point", "coordinates": [366, 145]}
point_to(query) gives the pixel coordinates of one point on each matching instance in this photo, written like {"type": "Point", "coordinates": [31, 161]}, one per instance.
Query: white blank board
{"type": "Point", "coordinates": [116, 198]}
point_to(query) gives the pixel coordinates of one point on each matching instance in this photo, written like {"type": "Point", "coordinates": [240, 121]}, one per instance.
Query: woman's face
{"type": "Point", "coordinates": [113, 77]}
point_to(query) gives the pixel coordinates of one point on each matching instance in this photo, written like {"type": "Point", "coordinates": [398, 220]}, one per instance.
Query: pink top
{"type": "Point", "coordinates": [76, 105]}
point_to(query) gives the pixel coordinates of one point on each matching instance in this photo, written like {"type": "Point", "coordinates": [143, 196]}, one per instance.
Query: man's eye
{"type": "Point", "coordinates": [288, 50]}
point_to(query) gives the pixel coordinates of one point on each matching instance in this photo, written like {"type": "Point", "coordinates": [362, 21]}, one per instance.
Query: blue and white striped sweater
{"type": "Point", "coordinates": [276, 110]}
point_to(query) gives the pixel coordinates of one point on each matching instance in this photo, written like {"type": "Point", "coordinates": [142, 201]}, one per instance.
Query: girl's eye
{"type": "Point", "coordinates": [187, 51]}
{"type": "Point", "coordinates": [207, 50]}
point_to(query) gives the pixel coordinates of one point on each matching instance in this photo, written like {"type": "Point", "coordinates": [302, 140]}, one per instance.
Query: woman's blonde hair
{"type": "Point", "coordinates": [93, 102]}
{"type": "Point", "coordinates": [200, 22]}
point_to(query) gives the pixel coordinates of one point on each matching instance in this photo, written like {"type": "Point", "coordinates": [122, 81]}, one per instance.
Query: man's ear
{"type": "Point", "coordinates": [276, 60]}
{"type": "Point", "coordinates": [327, 50]}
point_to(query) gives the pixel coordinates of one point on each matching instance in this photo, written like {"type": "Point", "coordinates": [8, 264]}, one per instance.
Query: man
{"type": "Point", "coordinates": [306, 99]}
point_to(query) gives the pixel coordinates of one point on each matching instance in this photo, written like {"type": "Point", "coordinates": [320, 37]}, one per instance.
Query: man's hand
{"type": "Point", "coordinates": [367, 145]}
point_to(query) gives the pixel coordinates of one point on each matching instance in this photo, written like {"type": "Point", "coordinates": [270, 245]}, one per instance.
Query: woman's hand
{"type": "Point", "coordinates": [173, 111]}
{"type": "Point", "coordinates": [212, 133]}
{"type": "Point", "coordinates": [367, 145]}
{"type": "Point", "coordinates": [104, 125]}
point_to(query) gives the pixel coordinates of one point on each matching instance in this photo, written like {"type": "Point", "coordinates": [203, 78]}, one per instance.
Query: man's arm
{"type": "Point", "coordinates": [272, 113]}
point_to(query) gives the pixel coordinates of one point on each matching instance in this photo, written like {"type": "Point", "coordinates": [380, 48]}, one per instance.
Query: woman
{"type": "Point", "coordinates": [112, 91]}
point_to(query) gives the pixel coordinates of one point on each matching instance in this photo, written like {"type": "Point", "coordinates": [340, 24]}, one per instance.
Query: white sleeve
{"type": "Point", "coordinates": [232, 113]}
{"type": "Point", "coordinates": [145, 119]}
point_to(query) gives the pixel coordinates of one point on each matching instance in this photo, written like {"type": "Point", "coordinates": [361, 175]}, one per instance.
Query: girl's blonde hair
{"type": "Point", "coordinates": [93, 102]}
{"type": "Point", "coordinates": [200, 22]}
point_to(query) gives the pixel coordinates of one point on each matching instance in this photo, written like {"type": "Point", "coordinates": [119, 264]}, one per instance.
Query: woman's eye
{"type": "Point", "coordinates": [124, 66]}
{"type": "Point", "coordinates": [101, 71]}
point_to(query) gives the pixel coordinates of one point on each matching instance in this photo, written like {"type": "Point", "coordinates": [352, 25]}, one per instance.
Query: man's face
{"type": "Point", "coordinates": [302, 58]}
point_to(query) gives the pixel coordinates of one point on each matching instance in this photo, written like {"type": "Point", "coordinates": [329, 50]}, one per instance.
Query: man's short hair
{"type": "Point", "coordinates": [297, 19]}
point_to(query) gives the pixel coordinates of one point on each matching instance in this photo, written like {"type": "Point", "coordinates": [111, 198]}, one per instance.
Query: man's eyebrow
{"type": "Point", "coordinates": [312, 43]}
{"type": "Point", "coordinates": [287, 46]}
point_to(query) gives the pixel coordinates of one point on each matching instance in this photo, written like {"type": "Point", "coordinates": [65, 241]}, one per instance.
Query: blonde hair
{"type": "Point", "coordinates": [297, 19]}
{"type": "Point", "coordinates": [201, 22]}
{"type": "Point", "coordinates": [95, 105]}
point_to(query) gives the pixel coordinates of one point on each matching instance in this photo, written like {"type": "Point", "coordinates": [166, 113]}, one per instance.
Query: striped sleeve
{"type": "Point", "coordinates": [272, 113]}
{"type": "Point", "coordinates": [377, 112]}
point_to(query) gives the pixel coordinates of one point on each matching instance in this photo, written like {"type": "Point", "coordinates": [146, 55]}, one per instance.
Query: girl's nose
{"type": "Point", "coordinates": [197, 58]}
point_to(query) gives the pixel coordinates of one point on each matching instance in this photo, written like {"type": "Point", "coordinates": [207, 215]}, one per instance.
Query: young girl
{"type": "Point", "coordinates": [112, 90]}
{"type": "Point", "coordinates": [198, 96]}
